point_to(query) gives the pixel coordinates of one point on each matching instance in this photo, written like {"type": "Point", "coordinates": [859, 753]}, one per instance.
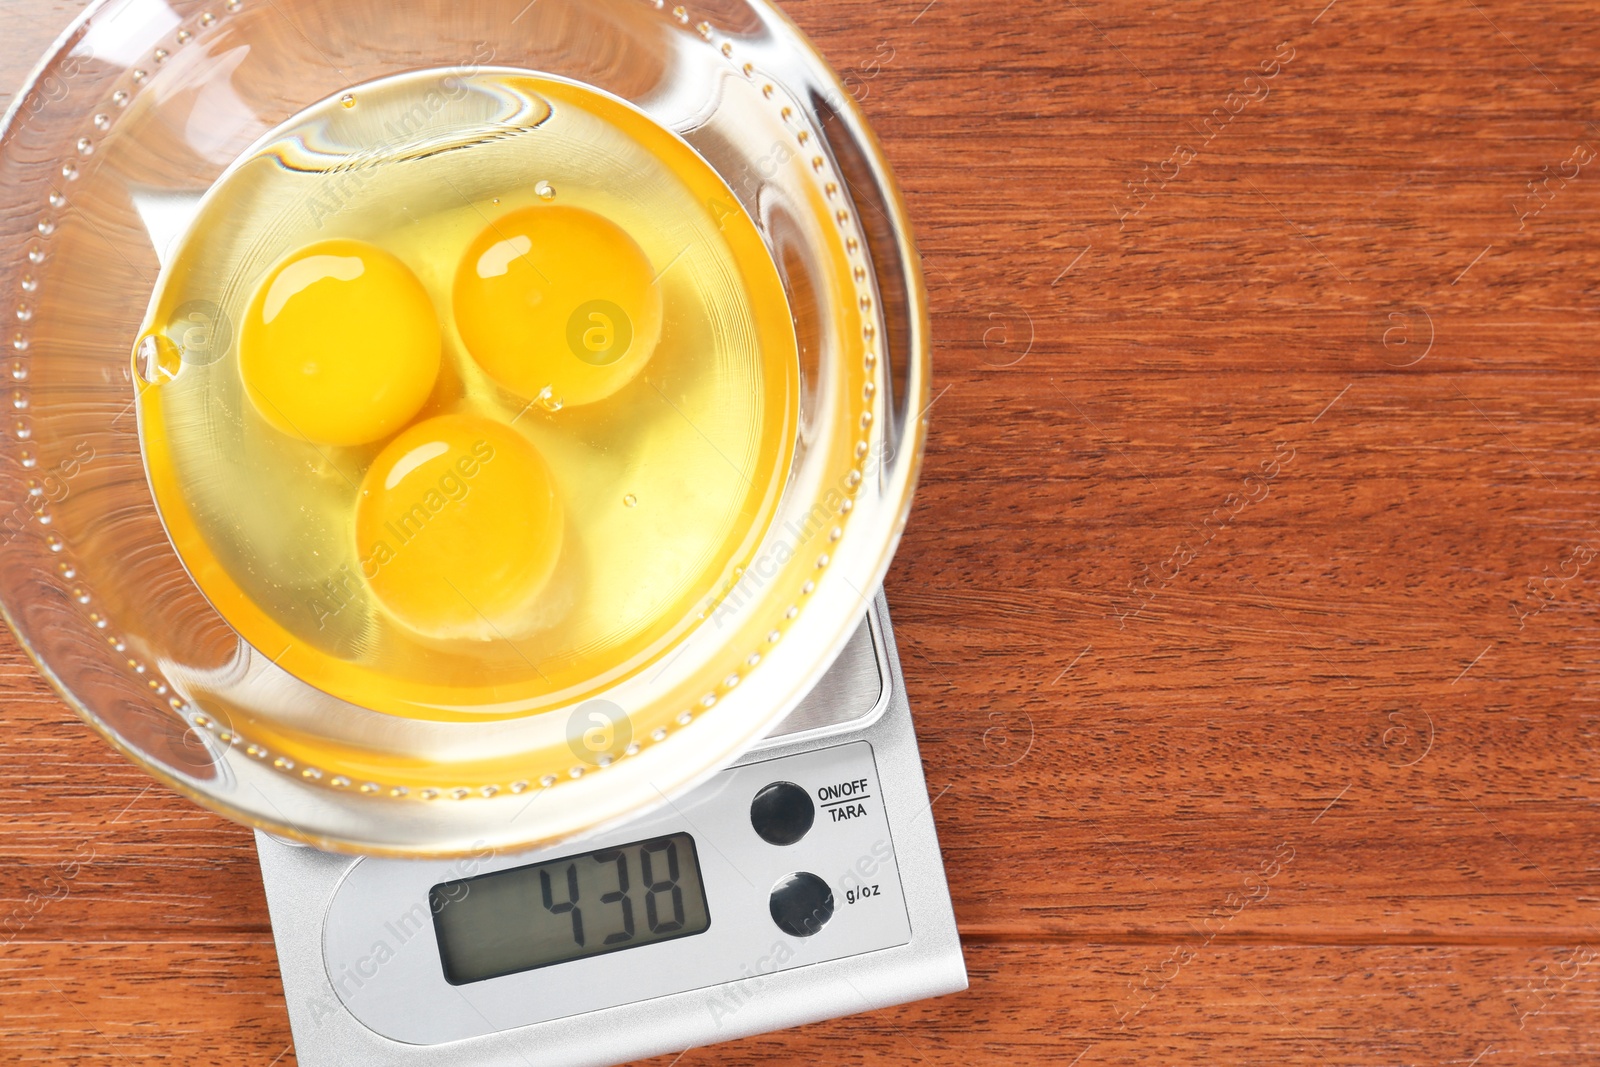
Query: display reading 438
{"type": "Point", "coordinates": [559, 910]}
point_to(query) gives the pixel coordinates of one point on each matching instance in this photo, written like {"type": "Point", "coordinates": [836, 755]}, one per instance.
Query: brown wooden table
{"type": "Point", "coordinates": [1249, 604]}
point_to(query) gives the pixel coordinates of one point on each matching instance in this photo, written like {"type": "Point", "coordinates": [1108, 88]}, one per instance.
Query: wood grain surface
{"type": "Point", "coordinates": [1248, 608]}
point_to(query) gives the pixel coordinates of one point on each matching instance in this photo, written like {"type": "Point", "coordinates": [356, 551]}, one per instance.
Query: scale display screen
{"type": "Point", "coordinates": [566, 909]}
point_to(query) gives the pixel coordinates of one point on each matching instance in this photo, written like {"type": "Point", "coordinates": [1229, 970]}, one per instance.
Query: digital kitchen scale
{"type": "Point", "coordinates": [800, 884]}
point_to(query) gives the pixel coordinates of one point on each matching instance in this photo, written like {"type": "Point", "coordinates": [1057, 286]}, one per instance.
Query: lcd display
{"type": "Point", "coordinates": [567, 909]}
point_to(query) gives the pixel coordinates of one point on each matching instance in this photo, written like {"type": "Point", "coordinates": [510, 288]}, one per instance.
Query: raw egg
{"type": "Point", "coordinates": [458, 527]}
{"type": "Point", "coordinates": [340, 344]}
{"type": "Point", "coordinates": [558, 304]}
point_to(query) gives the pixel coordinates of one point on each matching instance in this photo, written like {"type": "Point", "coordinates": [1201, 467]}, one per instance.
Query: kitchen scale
{"type": "Point", "coordinates": [802, 883]}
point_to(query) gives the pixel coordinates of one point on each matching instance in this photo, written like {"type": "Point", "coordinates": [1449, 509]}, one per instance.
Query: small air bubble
{"type": "Point", "coordinates": [57, 200]}
{"type": "Point", "coordinates": [157, 359]}
{"type": "Point", "coordinates": [184, 36]}
{"type": "Point", "coordinates": [545, 191]}
{"type": "Point", "coordinates": [102, 121]}
{"type": "Point", "coordinates": [120, 98]}
{"type": "Point", "coordinates": [161, 55]}
{"type": "Point", "coordinates": [47, 227]}
{"type": "Point", "coordinates": [630, 501]}
{"type": "Point", "coordinates": [205, 20]}
{"type": "Point", "coordinates": [69, 170]}
{"type": "Point", "coordinates": [348, 100]}
{"type": "Point", "coordinates": [85, 146]}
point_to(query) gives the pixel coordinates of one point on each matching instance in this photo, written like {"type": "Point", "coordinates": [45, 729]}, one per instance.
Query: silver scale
{"type": "Point", "coordinates": [800, 884]}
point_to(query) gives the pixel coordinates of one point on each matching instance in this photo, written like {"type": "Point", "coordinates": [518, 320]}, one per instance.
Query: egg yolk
{"type": "Point", "coordinates": [557, 298]}
{"type": "Point", "coordinates": [458, 527]}
{"type": "Point", "coordinates": [340, 344]}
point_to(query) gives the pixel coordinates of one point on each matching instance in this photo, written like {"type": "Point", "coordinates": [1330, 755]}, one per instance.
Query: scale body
{"type": "Point", "coordinates": [769, 918]}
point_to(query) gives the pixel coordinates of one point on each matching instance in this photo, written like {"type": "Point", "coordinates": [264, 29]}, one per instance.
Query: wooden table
{"type": "Point", "coordinates": [1249, 604]}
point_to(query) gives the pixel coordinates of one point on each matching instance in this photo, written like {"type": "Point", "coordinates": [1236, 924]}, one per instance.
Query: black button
{"type": "Point", "coordinates": [782, 813]}
{"type": "Point", "coordinates": [801, 904]}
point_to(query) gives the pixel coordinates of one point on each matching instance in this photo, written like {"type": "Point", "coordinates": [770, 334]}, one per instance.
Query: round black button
{"type": "Point", "coordinates": [801, 904]}
{"type": "Point", "coordinates": [782, 813]}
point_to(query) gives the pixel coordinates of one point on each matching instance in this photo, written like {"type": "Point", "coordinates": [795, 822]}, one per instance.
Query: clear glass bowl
{"type": "Point", "coordinates": [134, 114]}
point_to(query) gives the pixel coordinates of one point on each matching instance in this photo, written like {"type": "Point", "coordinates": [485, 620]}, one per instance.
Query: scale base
{"type": "Point", "coordinates": [355, 1000]}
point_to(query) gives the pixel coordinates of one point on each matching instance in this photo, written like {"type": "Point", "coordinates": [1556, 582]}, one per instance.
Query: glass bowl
{"type": "Point", "coordinates": [128, 121]}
